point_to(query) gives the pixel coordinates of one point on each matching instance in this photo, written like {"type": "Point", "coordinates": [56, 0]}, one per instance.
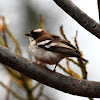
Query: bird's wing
{"type": "Point", "coordinates": [63, 49]}
{"type": "Point", "coordinates": [67, 51]}
{"type": "Point", "coordinates": [58, 39]}
{"type": "Point", "coordinates": [67, 43]}
{"type": "Point", "coordinates": [60, 46]}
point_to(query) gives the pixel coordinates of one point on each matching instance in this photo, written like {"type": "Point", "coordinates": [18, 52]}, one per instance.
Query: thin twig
{"type": "Point", "coordinates": [70, 72]}
{"type": "Point", "coordinates": [75, 40]}
{"type": "Point", "coordinates": [38, 84]}
{"type": "Point", "coordinates": [13, 93]}
{"type": "Point", "coordinates": [62, 32]}
{"type": "Point", "coordinates": [40, 93]}
{"type": "Point", "coordinates": [8, 90]}
{"type": "Point", "coordinates": [14, 39]}
{"type": "Point", "coordinates": [73, 61]}
{"type": "Point", "coordinates": [4, 34]}
{"type": "Point", "coordinates": [1, 41]}
{"type": "Point", "coordinates": [41, 22]}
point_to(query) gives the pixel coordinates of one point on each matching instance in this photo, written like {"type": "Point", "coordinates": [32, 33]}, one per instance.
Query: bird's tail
{"type": "Point", "coordinates": [84, 60]}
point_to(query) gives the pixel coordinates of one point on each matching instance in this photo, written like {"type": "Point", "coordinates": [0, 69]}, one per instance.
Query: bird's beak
{"type": "Point", "coordinates": [28, 34]}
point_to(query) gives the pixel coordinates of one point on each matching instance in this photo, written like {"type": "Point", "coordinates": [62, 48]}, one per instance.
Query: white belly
{"type": "Point", "coordinates": [45, 56]}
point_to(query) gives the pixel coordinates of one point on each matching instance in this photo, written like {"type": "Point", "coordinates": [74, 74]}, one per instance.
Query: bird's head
{"type": "Point", "coordinates": [36, 33]}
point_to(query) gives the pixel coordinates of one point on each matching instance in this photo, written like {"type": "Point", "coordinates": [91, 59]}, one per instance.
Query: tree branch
{"type": "Point", "coordinates": [55, 80]}
{"type": "Point", "coordinates": [98, 1]}
{"type": "Point", "coordinates": [82, 18]}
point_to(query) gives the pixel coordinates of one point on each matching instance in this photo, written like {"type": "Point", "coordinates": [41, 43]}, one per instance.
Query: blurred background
{"type": "Point", "coordinates": [18, 17]}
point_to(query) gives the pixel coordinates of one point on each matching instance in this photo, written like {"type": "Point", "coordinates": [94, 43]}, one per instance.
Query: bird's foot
{"type": "Point", "coordinates": [54, 70]}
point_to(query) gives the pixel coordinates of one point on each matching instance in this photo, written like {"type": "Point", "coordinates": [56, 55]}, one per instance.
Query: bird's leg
{"type": "Point", "coordinates": [55, 67]}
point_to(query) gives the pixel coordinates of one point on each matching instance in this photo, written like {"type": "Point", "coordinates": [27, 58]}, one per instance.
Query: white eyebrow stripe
{"type": "Point", "coordinates": [38, 30]}
{"type": "Point", "coordinates": [50, 45]}
{"type": "Point", "coordinates": [43, 42]}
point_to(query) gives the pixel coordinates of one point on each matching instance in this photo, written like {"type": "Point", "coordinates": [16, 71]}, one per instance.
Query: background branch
{"type": "Point", "coordinates": [58, 81]}
{"type": "Point", "coordinates": [99, 7]}
{"type": "Point", "coordinates": [13, 93]}
{"type": "Point", "coordinates": [82, 18]}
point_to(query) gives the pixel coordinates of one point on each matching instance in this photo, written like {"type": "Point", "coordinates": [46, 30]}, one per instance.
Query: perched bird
{"type": "Point", "coordinates": [49, 48]}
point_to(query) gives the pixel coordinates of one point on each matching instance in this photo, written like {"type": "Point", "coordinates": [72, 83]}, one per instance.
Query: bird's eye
{"type": "Point", "coordinates": [31, 40]}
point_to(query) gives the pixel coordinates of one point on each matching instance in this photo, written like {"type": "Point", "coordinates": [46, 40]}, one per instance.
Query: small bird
{"type": "Point", "coordinates": [49, 48]}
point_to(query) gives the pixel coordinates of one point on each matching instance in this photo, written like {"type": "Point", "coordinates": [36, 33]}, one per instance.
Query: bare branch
{"type": "Point", "coordinates": [99, 7]}
{"type": "Point", "coordinates": [82, 18]}
{"type": "Point", "coordinates": [70, 72]}
{"type": "Point", "coordinates": [13, 93]}
{"type": "Point", "coordinates": [55, 80]}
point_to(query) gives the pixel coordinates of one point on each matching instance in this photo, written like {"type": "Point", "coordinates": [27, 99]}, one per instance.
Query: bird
{"type": "Point", "coordinates": [49, 48]}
